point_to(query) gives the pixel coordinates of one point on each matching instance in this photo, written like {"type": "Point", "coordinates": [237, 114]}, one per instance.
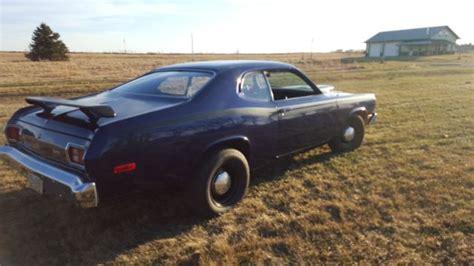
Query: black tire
{"type": "Point", "coordinates": [338, 144]}
{"type": "Point", "coordinates": [202, 190]}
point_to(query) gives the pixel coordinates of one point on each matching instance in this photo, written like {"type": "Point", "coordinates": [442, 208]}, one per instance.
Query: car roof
{"type": "Point", "coordinates": [223, 65]}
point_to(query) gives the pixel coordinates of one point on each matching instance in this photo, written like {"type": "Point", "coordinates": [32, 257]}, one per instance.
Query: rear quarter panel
{"type": "Point", "coordinates": [169, 144]}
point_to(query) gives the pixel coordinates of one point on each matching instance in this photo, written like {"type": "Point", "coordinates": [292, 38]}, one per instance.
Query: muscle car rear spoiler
{"type": "Point", "coordinates": [93, 111]}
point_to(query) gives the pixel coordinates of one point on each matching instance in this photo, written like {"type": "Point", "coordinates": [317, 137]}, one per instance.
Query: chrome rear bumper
{"type": "Point", "coordinates": [84, 193]}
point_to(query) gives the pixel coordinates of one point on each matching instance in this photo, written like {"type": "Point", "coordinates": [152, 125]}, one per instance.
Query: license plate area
{"type": "Point", "coordinates": [34, 182]}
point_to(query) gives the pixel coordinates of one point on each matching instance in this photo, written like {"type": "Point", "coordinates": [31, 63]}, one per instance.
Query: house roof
{"type": "Point", "coordinates": [409, 35]}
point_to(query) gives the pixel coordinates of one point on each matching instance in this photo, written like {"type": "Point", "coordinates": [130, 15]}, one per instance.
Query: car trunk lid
{"type": "Point", "coordinates": [48, 133]}
{"type": "Point", "coordinates": [71, 117]}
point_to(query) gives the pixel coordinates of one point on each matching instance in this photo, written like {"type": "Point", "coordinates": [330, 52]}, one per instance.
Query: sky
{"type": "Point", "coordinates": [226, 26]}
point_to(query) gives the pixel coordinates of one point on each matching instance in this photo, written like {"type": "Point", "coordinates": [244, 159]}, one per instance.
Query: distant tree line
{"type": "Point", "coordinates": [348, 51]}
{"type": "Point", "coordinates": [467, 47]}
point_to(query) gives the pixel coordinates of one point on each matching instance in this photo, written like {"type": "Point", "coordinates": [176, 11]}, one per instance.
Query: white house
{"type": "Point", "coordinates": [412, 42]}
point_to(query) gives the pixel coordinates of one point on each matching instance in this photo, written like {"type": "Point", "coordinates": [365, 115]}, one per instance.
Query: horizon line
{"type": "Point", "coordinates": [199, 53]}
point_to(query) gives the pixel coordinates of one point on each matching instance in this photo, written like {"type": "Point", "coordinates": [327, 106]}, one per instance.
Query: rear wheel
{"type": "Point", "coordinates": [351, 136]}
{"type": "Point", "coordinates": [221, 182]}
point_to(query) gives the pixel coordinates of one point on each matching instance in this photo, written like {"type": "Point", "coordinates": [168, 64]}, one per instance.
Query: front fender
{"type": "Point", "coordinates": [361, 111]}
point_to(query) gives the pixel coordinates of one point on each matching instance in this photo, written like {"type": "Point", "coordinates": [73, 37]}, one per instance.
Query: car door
{"type": "Point", "coordinates": [306, 117]}
{"type": "Point", "coordinates": [260, 116]}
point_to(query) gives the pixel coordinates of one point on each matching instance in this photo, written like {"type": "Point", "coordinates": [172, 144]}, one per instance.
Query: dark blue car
{"type": "Point", "coordinates": [201, 126]}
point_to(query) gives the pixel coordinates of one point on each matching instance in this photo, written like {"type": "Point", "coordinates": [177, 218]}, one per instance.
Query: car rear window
{"type": "Point", "coordinates": [167, 83]}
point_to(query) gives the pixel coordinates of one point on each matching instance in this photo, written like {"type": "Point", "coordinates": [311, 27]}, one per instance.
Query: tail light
{"type": "Point", "coordinates": [76, 154]}
{"type": "Point", "coordinates": [12, 133]}
{"type": "Point", "coordinates": [123, 168]}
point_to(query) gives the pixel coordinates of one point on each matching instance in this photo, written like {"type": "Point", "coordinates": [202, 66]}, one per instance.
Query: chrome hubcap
{"type": "Point", "coordinates": [222, 183]}
{"type": "Point", "coordinates": [349, 133]}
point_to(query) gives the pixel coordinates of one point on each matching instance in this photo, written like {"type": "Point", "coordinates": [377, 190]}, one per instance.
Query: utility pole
{"type": "Point", "coordinates": [124, 46]}
{"type": "Point", "coordinates": [192, 47]}
{"type": "Point", "coordinates": [311, 49]}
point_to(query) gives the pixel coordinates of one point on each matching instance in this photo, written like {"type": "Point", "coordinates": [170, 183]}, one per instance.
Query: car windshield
{"type": "Point", "coordinates": [167, 83]}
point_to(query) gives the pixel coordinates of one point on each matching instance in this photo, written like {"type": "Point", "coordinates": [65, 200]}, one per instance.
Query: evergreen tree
{"type": "Point", "coordinates": [46, 45]}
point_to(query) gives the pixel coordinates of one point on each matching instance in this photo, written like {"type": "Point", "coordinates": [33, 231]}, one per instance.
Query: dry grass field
{"type": "Point", "coordinates": [407, 195]}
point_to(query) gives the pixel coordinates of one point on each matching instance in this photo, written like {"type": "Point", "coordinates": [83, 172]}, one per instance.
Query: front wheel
{"type": "Point", "coordinates": [351, 136]}
{"type": "Point", "coordinates": [221, 182]}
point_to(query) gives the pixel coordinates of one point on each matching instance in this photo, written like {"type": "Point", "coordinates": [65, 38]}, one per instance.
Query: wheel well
{"type": "Point", "coordinates": [241, 145]}
{"type": "Point", "coordinates": [361, 113]}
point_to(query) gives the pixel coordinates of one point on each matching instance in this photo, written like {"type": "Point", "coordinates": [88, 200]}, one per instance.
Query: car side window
{"type": "Point", "coordinates": [286, 85]}
{"type": "Point", "coordinates": [255, 87]}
